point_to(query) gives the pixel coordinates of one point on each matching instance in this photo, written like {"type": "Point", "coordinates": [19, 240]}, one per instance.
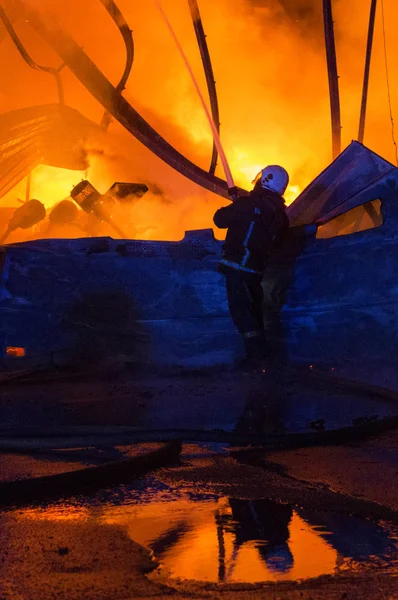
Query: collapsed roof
{"type": "Point", "coordinates": [52, 134]}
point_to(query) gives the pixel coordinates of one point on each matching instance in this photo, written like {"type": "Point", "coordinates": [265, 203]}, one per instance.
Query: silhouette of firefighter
{"type": "Point", "coordinates": [254, 223]}
{"type": "Point", "coordinates": [267, 524]}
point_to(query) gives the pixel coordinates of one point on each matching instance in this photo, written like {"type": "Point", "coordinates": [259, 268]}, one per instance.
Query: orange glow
{"type": "Point", "coordinates": [196, 554]}
{"type": "Point", "coordinates": [15, 351]}
{"type": "Point", "coordinates": [213, 540]}
{"type": "Point", "coordinates": [270, 68]}
{"type": "Point", "coordinates": [50, 185]}
{"type": "Point", "coordinates": [59, 513]}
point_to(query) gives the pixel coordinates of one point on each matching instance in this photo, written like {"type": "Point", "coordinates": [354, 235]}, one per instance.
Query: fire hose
{"type": "Point", "coordinates": [97, 84]}
{"type": "Point", "coordinates": [21, 493]}
{"type": "Point", "coordinates": [208, 69]}
{"type": "Point", "coordinates": [90, 479]}
{"type": "Point", "coordinates": [87, 480]}
{"type": "Point", "coordinates": [232, 190]}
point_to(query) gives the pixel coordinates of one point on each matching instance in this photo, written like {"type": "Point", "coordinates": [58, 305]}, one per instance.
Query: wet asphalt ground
{"type": "Point", "coordinates": [83, 547]}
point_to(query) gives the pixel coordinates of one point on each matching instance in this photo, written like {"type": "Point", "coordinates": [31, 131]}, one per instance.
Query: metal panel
{"type": "Point", "coordinates": [336, 187]}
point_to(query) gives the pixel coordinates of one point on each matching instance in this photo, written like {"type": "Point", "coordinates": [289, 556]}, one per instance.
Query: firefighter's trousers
{"type": "Point", "coordinates": [245, 301]}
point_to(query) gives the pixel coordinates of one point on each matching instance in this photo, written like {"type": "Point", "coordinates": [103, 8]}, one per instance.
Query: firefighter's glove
{"type": "Point", "coordinates": [233, 192]}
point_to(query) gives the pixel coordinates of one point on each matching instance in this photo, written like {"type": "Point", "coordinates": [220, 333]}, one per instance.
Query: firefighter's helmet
{"type": "Point", "coordinates": [273, 178]}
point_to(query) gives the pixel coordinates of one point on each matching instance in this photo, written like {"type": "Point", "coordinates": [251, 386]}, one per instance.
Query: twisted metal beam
{"type": "Point", "coordinates": [127, 36]}
{"type": "Point", "coordinates": [28, 59]}
{"type": "Point", "coordinates": [208, 69]}
{"type": "Point", "coordinates": [362, 118]}
{"type": "Point", "coordinates": [107, 95]}
{"type": "Point", "coordinates": [333, 77]}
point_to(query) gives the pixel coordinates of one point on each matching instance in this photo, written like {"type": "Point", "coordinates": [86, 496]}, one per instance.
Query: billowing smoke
{"type": "Point", "coordinates": [269, 62]}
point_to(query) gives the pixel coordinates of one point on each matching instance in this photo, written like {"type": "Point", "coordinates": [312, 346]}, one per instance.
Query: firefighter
{"type": "Point", "coordinates": [264, 524]}
{"type": "Point", "coordinates": [253, 223]}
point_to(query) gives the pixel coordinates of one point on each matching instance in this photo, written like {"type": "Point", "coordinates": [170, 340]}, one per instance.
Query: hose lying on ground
{"type": "Point", "coordinates": [88, 480]}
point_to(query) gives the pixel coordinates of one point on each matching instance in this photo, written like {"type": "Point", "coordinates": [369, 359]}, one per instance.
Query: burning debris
{"type": "Point", "coordinates": [247, 145]}
{"type": "Point", "coordinates": [60, 137]}
{"type": "Point", "coordinates": [66, 212]}
{"type": "Point", "coordinates": [92, 202]}
{"type": "Point", "coordinates": [162, 205]}
{"type": "Point", "coordinates": [25, 217]}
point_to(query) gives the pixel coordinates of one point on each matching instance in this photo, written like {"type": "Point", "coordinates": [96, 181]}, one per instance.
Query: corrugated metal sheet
{"type": "Point", "coordinates": [334, 191]}
{"type": "Point", "coordinates": [51, 134]}
{"type": "Point", "coordinates": [161, 303]}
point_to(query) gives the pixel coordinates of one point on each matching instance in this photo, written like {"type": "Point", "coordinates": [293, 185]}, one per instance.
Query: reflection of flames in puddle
{"type": "Point", "coordinates": [56, 513]}
{"type": "Point", "coordinates": [199, 537]}
{"type": "Point", "coordinates": [230, 540]}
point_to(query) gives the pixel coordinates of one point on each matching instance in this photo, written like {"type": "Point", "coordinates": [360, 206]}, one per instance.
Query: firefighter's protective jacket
{"type": "Point", "coordinates": [253, 224]}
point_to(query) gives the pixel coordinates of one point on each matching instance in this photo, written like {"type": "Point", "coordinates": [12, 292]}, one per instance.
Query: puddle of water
{"type": "Point", "coordinates": [228, 540]}
{"type": "Point", "coordinates": [231, 540]}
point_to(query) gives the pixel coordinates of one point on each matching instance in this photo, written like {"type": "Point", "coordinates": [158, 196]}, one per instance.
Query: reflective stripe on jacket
{"type": "Point", "coordinates": [253, 223]}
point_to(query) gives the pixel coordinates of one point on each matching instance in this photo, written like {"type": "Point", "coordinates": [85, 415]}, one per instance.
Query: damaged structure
{"type": "Point", "coordinates": [330, 296]}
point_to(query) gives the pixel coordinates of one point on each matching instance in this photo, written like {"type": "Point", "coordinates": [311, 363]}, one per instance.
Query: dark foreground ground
{"type": "Point", "coordinates": [86, 548]}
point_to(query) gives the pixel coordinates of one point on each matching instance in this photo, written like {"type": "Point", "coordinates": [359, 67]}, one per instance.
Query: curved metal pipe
{"type": "Point", "coordinates": [216, 137]}
{"type": "Point", "coordinates": [127, 36]}
{"type": "Point", "coordinates": [208, 69]}
{"type": "Point", "coordinates": [97, 84]}
{"type": "Point", "coordinates": [362, 118]}
{"type": "Point", "coordinates": [333, 77]}
{"type": "Point", "coordinates": [28, 59]}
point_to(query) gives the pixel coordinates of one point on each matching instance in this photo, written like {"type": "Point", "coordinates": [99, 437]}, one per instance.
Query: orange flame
{"type": "Point", "coordinates": [269, 62]}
